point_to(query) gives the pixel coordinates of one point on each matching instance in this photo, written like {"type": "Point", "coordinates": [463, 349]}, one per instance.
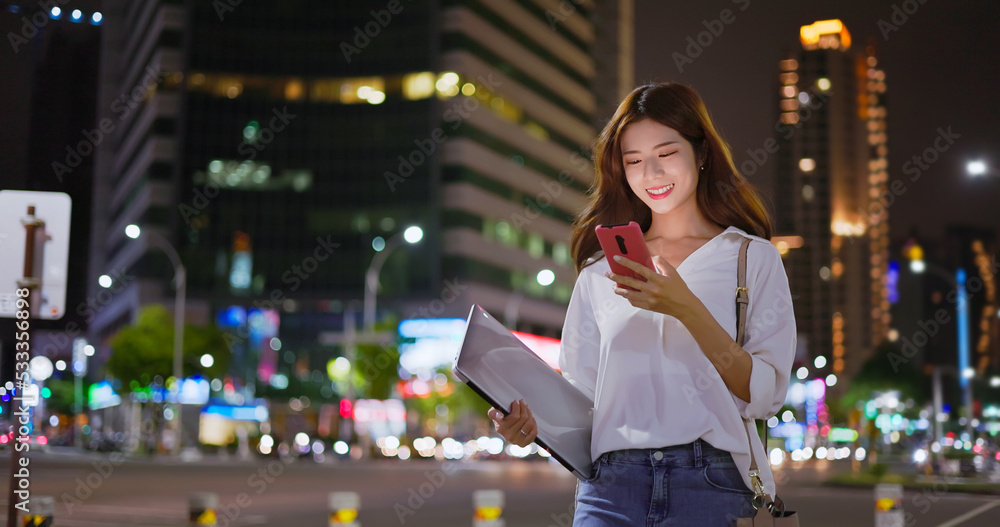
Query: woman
{"type": "Point", "coordinates": [670, 386]}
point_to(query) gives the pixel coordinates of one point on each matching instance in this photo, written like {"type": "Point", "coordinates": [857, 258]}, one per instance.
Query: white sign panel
{"type": "Point", "coordinates": [54, 209]}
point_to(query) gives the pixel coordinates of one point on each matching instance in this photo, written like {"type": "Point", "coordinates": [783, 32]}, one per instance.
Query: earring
{"type": "Point", "coordinates": [702, 168]}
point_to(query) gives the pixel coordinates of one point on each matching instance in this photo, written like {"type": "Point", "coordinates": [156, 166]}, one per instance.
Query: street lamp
{"type": "Point", "coordinates": [412, 234]}
{"type": "Point", "coordinates": [965, 373]}
{"type": "Point", "coordinates": [180, 282]}
{"type": "Point", "coordinates": [976, 167]}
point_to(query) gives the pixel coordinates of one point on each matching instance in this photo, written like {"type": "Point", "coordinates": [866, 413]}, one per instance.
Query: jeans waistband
{"type": "Point", "coordinates": [694, 454]}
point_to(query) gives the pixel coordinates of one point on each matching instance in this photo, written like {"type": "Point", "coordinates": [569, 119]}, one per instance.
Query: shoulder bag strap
{"type": "Point", "coordinates": [742, 300]}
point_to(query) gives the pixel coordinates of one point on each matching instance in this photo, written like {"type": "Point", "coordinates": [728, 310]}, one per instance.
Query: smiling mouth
{"type": "Point", "coordinates": [660, 192]}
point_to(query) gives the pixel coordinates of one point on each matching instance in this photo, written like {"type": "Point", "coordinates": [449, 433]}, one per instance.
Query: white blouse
{"type": "Point", "coordinates": [651, 384]}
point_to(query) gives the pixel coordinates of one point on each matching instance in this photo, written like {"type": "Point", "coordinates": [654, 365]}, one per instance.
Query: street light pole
{"type": "Point", "coordinates": [918, 265]}
{"type": "Point", "coordinates": [371, 280]}
{"type": "Point", "coordinates": [410, 235]}
{"type": "Point", "coordinates": [180, 297]}
{"type": "Point", "coordinates": [963, 350]}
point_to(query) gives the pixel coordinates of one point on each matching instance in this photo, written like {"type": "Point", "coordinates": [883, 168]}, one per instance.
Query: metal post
{"type": "Point", "coordinates": [30, 224]}
{"type": "Point", "coordinates": [371, 280]}
{"type": "Point", "coordinates": [179, 301]}
{"type": "Point", "coordinates": [512, 309]}
{"type": "Point", "coordinates": [180, 283]}
{"type": "Point", "coordinates": [938, 415]}
{"type": "Point", "coordinates": [77, 411]}
{"type": "Point", "coordinates": [79, 367]}
{"type": "Point", "coordinates": [349, 342]}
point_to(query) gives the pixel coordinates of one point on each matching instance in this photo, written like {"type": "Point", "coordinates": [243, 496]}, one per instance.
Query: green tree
{"type": "Point", "coordinates": [376, 367]}
{"type": "Point", "coordinates": [145, 349]}
{"type": "Point", "coordinates": [62, 400]}
{"type": "Point", "coordinates": [460, 400]}
{"type": "Point", "coordinates": [887, 370]}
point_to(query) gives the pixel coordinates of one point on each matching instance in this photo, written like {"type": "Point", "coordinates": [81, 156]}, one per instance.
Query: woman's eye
{"type": "Point", "coordinates": [665, 155]}
{"type": "Point", "coordinates": [633, 162]}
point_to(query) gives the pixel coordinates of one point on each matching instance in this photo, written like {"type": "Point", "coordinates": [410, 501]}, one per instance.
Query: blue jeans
{"type": "Point", "coordinates": [694, 484]}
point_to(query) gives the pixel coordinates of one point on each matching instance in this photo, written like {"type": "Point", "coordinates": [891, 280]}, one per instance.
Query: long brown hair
{"type": "Point", "coordinates": [724, 197]}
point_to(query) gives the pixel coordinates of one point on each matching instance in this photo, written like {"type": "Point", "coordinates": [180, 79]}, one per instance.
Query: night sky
{"type": "Point", "coordinates": [942, 69]}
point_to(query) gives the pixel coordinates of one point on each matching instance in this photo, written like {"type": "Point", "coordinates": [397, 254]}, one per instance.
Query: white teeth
{"type": "Point", "coordinates": [661, 190]}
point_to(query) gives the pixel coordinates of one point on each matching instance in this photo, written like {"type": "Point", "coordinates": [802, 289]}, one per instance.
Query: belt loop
{"type": "Point", "coordinates": [697, 453]}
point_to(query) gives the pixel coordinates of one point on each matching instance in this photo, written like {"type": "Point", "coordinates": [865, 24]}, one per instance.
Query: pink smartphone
{"type": "Point", "coordinates": [624, 239]}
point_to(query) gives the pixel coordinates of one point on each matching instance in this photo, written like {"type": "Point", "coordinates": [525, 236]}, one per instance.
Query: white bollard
{"type": "Point", "coordinates": [888, 505]}
{"type": "Point", "coordinates": [488, 508]}
{"type": "Point", "coordinates": [201, 508]}
{"type": "Point", "coordinates": [40, 512]}
{"type": "Point", "coordinates": [344, 508]}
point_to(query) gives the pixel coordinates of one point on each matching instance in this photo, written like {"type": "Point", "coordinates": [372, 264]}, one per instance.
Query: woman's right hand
{"type": "Point", "coordinates": [518, 427]}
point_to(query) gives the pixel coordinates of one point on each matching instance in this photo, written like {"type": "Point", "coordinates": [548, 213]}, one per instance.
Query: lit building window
{"type": "Point", "coordinates": [790, 117]}
{"type": "Point", "coordinates": [447, 84]}
{"type": "Point", "coordinates": [252, 175]}
{"type": "Point", "coordinates": [789, 65]}
{"type": "Point", "coordinates": [535, 130]}
{"type": "Point", "coordinates": [808, 193]}
{"type": "Point", "coordinates": [536, 245]}
{"type": "Point", "coordinates": [825, 34]}
{"type": "Point", "coordinates": [823, 84]}
{"type": "Point", "coordinates": [789, 105]}
{"type": "Point", "coordinates": [789, 91]}
{"type": "Point", "coordinates": [418, 85]}
{"type": "Point", "coordinates": [560, 253]}
{"type": "Point", "coordinates": [807, 164]}
{"type": "Point", "coordinates": [789, 78]}
{"type": "Point", "coordinates": [294, 90]}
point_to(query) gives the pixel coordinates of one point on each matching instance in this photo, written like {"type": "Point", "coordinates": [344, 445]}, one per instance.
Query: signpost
{"type": "Point", "coordinates": [32, 285]}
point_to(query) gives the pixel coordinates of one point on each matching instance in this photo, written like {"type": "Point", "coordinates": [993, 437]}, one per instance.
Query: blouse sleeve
{"type": "Point", "coordinates": [579, 351]}
{"type": "Point", "coordinates": [770, 333]}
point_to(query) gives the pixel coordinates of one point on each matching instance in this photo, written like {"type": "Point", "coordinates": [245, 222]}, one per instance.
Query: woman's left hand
{"type": "Point", "coordinates": [663, 291]}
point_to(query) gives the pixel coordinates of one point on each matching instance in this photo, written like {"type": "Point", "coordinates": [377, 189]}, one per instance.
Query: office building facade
{"type": "Point", "coordinates": [278, 146]}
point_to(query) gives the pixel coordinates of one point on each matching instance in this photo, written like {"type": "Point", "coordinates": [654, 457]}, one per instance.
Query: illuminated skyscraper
{"type": "Point", "coordinates": [832, 189]}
